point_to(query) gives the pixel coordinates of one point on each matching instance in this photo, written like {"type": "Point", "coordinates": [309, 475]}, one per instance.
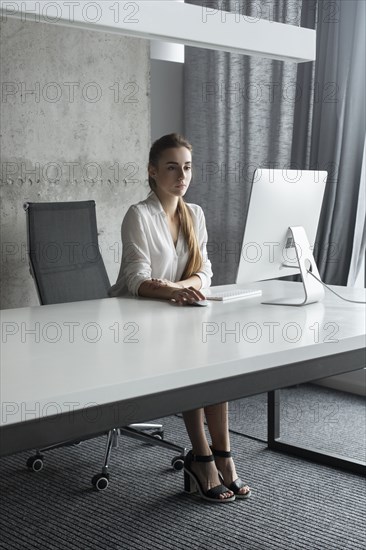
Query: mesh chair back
{"type": "Point", "coordinates": [63, 250]}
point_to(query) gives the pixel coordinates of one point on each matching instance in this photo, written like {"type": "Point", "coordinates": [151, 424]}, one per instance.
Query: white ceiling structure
{"type": "Point", "coordinates": [175, 22]}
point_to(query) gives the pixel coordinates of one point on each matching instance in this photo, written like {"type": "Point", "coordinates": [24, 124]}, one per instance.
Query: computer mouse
{"type": "Point", "coordinates": [199, 303]}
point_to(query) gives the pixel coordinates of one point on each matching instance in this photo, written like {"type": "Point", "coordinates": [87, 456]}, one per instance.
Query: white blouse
{"type": "Point", "coordinates": [149, 251]}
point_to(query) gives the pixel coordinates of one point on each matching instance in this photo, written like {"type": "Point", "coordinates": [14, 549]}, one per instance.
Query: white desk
{"type": "Point", "coordinates": [70, 371]}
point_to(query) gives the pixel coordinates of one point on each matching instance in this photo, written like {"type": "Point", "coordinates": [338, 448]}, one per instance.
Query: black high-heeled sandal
{"type": "Point", "coordinates": [193, 484]}
{"type": "Point", "coordinates": [236, 485]}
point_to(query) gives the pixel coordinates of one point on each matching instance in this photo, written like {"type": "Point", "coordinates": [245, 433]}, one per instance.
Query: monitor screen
{"type": "Point", "coordinates": [279, 199]}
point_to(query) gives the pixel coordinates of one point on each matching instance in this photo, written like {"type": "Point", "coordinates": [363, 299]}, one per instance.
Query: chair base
{"type": "Point", "coordinates": [101, 481]}
{"type": "Point", "coordinates": [135, 431]}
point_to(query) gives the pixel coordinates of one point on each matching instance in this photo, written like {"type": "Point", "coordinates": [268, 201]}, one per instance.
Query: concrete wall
{"type": "Point", "coordinates": [75, 117]}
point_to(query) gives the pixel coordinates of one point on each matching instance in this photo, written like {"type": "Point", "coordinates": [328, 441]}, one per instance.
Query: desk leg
{"type": "Point", "coordinates": [274, 417]}
{"type": "Point", "coordinates": [275, 443]}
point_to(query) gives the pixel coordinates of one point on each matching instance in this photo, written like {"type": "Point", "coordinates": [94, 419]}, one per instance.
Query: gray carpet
{"type": "Point", "coordinates": [295, 504]}
{"type": "Point", "coordinates": [311, 415]}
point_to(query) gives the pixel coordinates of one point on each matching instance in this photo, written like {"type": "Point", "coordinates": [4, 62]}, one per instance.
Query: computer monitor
{"type": "Point", "coordinates": [280, 229]}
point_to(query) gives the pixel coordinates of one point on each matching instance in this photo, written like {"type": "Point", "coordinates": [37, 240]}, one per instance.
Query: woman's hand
{"type": "Point", "coordinates": [168, 290]}
{"type": "Point", "coordinates": [183, 296]}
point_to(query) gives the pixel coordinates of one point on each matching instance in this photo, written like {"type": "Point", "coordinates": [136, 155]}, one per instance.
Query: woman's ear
{"type": "Point", "coordinates": [152, 171]}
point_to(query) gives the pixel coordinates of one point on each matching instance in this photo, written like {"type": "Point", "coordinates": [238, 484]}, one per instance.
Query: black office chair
{"type": "Point", "coordinates": [67, 266]}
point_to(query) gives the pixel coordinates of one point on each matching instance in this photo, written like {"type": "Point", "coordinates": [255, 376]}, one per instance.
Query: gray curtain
{"type": "Point", "coordinates": [244, 112]}
{"type": "Point", "coordinates": [358, 260]}
{"type": "Point", "coordinates": [329, 132]}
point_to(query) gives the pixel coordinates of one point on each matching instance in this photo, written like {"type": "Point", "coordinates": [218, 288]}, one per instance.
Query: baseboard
{"type": "Point", "coordinates": [353, 382]}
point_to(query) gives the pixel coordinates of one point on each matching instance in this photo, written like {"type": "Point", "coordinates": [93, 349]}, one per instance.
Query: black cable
{"type": "Point", "coordinates": [248, 436]}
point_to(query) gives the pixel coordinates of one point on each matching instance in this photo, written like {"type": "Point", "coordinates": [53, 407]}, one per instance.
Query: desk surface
{"type": "Point", "coordinates": [70, 356]}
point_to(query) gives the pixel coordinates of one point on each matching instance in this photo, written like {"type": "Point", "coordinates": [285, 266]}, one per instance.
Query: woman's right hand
{"type": "Point", "coordinates": [184, 296]}
{"type": "Point", "coordinates": [168, 290]}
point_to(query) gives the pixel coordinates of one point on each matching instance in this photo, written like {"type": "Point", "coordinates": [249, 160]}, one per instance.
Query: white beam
{"type": "Point", "coordinates": [202, 27]}
{"type": "Point", "coordinates": [167, 51]}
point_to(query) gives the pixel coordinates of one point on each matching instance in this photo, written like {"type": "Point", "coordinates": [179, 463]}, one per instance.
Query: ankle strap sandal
{"type": "Point", "coordinates": [192, 484]}
{"type": "Point", "coordinates": [236, 485]}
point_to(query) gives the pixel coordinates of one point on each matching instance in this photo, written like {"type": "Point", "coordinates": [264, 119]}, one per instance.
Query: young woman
{"type": "Point", "coordinates": [164, 256]}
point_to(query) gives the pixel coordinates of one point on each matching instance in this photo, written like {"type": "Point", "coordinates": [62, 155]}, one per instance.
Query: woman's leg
{"type": "Point", "coordinates": [217, 417]}
{"type": "Point", "coordinates": [205, 471]}
{"type": "Point", "coordinates": [194, 421]}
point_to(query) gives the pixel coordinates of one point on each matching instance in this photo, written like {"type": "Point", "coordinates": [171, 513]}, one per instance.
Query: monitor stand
{"type": "Point", "coordinates": [313, 289]}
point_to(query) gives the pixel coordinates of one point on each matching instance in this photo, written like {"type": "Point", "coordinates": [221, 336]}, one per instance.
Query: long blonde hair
{"type": "Point", "coordinates": [194, 263]}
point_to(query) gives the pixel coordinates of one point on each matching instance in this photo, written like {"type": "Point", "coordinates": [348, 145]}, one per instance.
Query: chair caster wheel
{"type": "Point", "coordinates": [178, 462]}
{"type": "Point", "coordinates": [100, 482]}
{"type": "Point", "coordinates": [159, 434]}
{"type": "Point", "coordinates": [35, 463]}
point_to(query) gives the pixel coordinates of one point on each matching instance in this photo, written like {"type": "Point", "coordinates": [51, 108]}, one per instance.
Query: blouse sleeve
{"type": "Point", "coordinates": [205, 273]}
{"type": "Point", "coordinates": [136, 261]}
